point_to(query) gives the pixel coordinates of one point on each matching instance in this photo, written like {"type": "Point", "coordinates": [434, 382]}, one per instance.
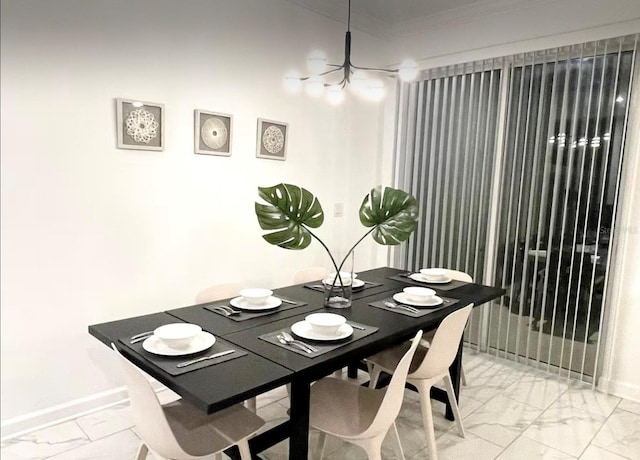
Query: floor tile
{"type": "Point", "coordinates": [452, 447]}
{"type": "Point", "coordinates": [120, 445]}
{"type": "Point", "coordinates": [45, 443]}
{"type": "Point", "coordinates": [621, 434]}
{"type": "Point", "coordinates": [566, 429]}
{"type": "Point", "coordinates": [528, 449]}
{"type": "Point", "coordinates": [486, 385]}
{"type": "Point", "coordinates": [274, 395]}
{"type": "Point", "coordinates": [501, 420]}
{"type": "Point", "coordinates": [630, 406]}
{"type": "Point", "coordinates": [106, 422]}
{"type": "Point", "coordinates": [584, 398]}
{"type": "Point", "coordinates": [537, 389]}
{"type": "Point", "coordinates": [598, 453]}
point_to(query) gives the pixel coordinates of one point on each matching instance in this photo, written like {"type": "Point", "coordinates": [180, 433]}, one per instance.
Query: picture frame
{"type": "Point", "coordinates": [213, 133]}
{"type": "Point", "coordinates": [272, 139]}
{"type": "Point", "coordinates": [140, 125]}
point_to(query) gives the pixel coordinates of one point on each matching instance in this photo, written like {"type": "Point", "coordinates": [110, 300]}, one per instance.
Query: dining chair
{"type": "Point", "coordinates": [429, 366]}
{"type": "Point", "coordinates": [180, 431]}
{"type": "Point", "coordinates": [358, 414]}
{"type": "Point", "coordinates": [306, 275]}
{"type": "Point", "coordinates": [219, 292]}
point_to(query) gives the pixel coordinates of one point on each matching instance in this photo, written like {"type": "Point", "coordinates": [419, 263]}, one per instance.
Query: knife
{"type": "Point", "coordinates": [204, 358]}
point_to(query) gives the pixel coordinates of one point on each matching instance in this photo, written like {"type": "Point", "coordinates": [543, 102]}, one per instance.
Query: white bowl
{"type": "Point", "coordinates": [344, 276]}
{"type": "Point", "coordinates": [256, 296]}
{"type": "Point", "coordinates": [326, 324]}
{"type": "Point", "coordinates": [177, 335]}
{"type": "Point", "coordinates": [435, 274]}
{"type": "Point", "coordinates": [419, 294]}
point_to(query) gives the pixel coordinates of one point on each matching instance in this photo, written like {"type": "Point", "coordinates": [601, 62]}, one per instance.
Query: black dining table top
{"type": "Point", "coordinates": [267, 366]}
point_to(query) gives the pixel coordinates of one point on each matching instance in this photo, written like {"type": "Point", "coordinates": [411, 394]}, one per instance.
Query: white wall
{"type": "Point", "coordinates": [499, 30]}
{"type": "Point", "coordinates": [91, 233]}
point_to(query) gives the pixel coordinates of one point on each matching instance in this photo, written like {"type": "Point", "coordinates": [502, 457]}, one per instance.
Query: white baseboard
{"type": "Point", "coordinates": [54, 415]}
{"type": "Point", "coordinates": [621, 389]}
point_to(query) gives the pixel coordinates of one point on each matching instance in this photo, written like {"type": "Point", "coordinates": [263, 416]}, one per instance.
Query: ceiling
{"type": "Point", "coordinates": [386, 17]}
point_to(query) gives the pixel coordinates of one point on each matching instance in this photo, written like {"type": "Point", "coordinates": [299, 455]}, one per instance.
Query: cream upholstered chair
{"type": "Point", "coordinates": [219, 292]}
{"type": "Point", "coordinates": [180, 431]}
{"type": "Point", "coordinates": [357, 414]}
{"type": "Point", "coordinates": [306, 275]}
{"type": "Point", "coordinates": [429, 366]}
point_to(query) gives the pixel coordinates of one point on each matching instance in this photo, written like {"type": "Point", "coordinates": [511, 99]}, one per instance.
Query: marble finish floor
{"type": "Point", "coordinates": [510, 412]}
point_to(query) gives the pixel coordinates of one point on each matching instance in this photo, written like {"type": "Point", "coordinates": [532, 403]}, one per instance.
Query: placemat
{"type": "Point", "coordinates": [446, 302]}
{"type": "Point", "coordinates": [453, 284]}
{"type": "Point", "coordinates": [245, 315]}
{"type": "Point", "coordinates": [168, 363]}
{"type": "Point", "coordinates": [317, 286]}
{"type": "Point", "coordinates": [323, 347]}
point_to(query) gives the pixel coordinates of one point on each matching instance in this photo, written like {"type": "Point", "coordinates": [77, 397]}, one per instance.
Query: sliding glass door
{"type": "Point", "coordinates": [517, 166]}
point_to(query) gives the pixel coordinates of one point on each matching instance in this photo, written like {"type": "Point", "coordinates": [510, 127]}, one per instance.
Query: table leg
{"type": "Point", "coordinates": [455, 371]}
{"type": "Point", "coordinates": [299, 416]}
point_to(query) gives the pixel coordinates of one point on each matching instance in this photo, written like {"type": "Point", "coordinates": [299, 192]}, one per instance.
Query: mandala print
{"type": "Point", "coordinates": [273, 139]}
{"type": "Point", "coordinates": [142, 126]}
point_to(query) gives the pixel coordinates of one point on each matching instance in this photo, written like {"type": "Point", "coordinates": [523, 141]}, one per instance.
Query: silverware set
{"type": "Point", "coordinates": [205, 358]}
{"type": "Point", "coordinates": [140, 337]}
{"type": "Point", "coordinates": [286, 339]}
{"type": "Point", "coordinates": [225, 310]}
{"type": "Point", "coordinates": [397, 306]}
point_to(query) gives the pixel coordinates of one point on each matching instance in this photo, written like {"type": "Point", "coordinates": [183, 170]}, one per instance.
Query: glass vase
{"type": "Point", "coordinates": [338, 290]}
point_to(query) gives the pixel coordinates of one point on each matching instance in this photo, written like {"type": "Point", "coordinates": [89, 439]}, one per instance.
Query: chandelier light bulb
{"type": "Point", "coordinates": [335, 95]}
{"type": "Point", "coordinates": [359, 80]}
{"type": "Point", "coordinates": [375, 90]}
{"type": "Point", "coordinates": [315, 86]}
{"type": "Point", "coordinates": [408, 70]}
{"type": "Point", "coordinates": [292, 81]}
{"type": "Point", "coordinates": [317, 62]}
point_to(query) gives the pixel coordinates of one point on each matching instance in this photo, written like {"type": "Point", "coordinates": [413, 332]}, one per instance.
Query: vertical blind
{"type": "Point", "coordinates": [516, 163]}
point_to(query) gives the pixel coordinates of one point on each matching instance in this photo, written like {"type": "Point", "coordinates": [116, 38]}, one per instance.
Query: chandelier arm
{"type": "Point", "coordinates": [375, 69]}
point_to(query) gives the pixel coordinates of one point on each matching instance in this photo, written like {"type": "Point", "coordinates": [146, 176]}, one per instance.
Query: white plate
{"type": "Point", "coordinates": [402, 298]}
{"type": "Point", "coordinates": [419, 277]}
{"type": "Point", "coordinates": [303, 329]}
{"type": "Point", "coordinates": [242, 304]}
{"type": "Point", "coordinates": [200, 342]}
{"type": "Point", "coordinates": [357, 284]}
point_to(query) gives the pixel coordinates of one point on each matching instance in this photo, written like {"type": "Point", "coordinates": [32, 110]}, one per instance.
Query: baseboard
{"type": "Point", "coordinates": [621, 389]}
{"type": "Point", "coordinates": [54, 415]}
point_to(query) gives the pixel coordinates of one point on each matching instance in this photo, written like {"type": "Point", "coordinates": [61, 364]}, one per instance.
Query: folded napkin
{"type": "Point", "coordinates": [245, 315]}
{"type": "Point", "coordinates": [322, 347]}
{"type": "Point", "coordinates": [168, 363]}
{"type": "Point", "coordinates": [422, 311]}
{"type": "Point", "coordinates": [453, 284]}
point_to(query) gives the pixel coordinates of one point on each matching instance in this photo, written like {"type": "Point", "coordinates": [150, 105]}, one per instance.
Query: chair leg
{"type": "Point", "coordinates": [463, 376]}
{"type": "Point", "coordinates": [245, 453]}
{"type": "Point", "coordinates": [322, 438]}
{"type": "Point", "coordinates": [374, 374]}
{"type": "Point", "coordinates": [399, 450]}
{"type": "Point", "coordinates": [454, 404]}
{"type": "Point", "coordinates": [373, 447]}
{"type": "Point", "coordinates": [427, 419]}
{"type": "Point", "coordinates": [143, 450]}
{"type": "Point", "coordinates": [251, 404]}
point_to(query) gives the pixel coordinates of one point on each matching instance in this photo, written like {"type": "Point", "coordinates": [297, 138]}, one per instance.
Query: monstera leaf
{"type": "Point", "coordinates": [290, 210]}
{"type": "Point", "coordinates": [393, 213]}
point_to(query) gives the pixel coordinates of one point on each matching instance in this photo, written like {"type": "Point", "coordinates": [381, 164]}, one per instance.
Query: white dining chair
{"type": "Point", "coordinates": [358, 414]}
{"type": "Point", "coordinates": [429, 366]}
{"type": "Point", "coordinates": [309, 274]}
{"type": "Point", "coordinates": [219, 292]}
{"type": "Point", "coordinates": [180, 431]}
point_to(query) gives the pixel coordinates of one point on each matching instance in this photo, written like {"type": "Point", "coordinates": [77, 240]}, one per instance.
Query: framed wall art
{"type": "Point", "coordinates": [140, 125]}
{"type": "Point", "coordinates": [213, 133]}
{"type": "Point", "coordinates": [272, 139]}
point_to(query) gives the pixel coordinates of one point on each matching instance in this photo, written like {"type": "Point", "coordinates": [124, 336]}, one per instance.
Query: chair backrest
{"type": "Point", "coordinates": [458, 275]}
{"type": "Point", "coordinates": [390, 406]}
{"type": "Point", "coordinates": [306, 275]}
{"type": "Point", "coordinates": [444, 345]}
{"type": "Point", "coordinates": [151, 423]}
{"type": "Point", "coordinates": [218, 292]}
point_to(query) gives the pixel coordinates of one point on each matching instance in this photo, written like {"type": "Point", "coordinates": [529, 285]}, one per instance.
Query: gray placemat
{"type": "Point", "coordinates": [317, 286]}
{"type": "Point", "coordinates": [422, 311]}
{"type": "Point", "coordinates": [323, 347]}
{"type": "Point", "coordinates": [453, 284]}
{"type": "Point", "coordinates": [245, 315]}
{"type": "Point", "coordinates": [168, 363]}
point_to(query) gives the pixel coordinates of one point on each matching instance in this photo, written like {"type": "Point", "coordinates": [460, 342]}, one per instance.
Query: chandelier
{"type": "Point", "coordinates": [332, 79]}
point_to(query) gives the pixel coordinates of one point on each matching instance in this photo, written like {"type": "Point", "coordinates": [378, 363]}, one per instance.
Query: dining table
{"type": "Point", "coordinates": [261, 363]}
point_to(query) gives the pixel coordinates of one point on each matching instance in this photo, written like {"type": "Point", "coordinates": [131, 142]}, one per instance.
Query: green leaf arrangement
{"type": "Point", "coordinates": [292, 211]}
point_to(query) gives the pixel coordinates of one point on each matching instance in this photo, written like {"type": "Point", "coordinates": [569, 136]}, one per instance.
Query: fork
{"type": "Point", "coordinates": [298, 345]}
{"type": "Point", "coordinates": [226, 310]}
{"type": "Point", "coordinates": [402, 307]}
{"type": "Point", "coordinates": [289, 338]}
{"type": "Point", "coordinates": [140, 337]}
